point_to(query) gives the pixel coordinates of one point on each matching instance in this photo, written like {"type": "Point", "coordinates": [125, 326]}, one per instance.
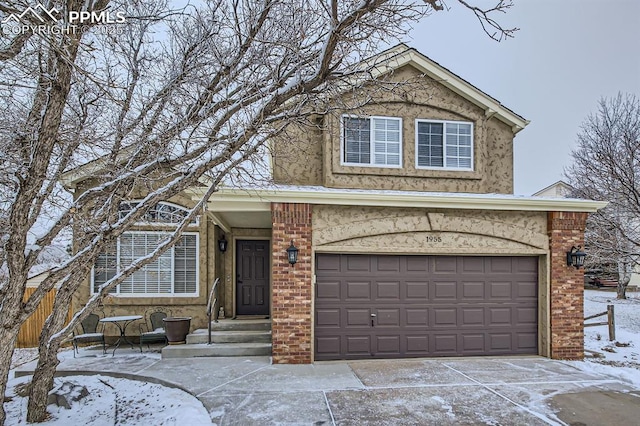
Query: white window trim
{"type": "Point", "coordinates": [444, 147]}
{"type": "Point", "coordinates": [371, 151]}
{"type": "Point", "coordinates": [143, 295]}
{"type": "Point", "coordinates": [196, 221]}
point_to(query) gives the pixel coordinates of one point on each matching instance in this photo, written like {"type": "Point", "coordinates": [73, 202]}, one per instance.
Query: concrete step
{"type": "Point", "coordinates": [239, 325]}
{"type": "Point", "coordinates": [216, 350]}
{"type": "Point", "coordinates": [234, 336]}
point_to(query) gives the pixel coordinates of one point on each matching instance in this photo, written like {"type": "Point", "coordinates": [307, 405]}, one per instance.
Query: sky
{"type": "Point", "coordinates": [567, 55]}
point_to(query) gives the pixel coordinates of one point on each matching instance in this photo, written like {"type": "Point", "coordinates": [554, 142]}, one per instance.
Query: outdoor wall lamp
{"type": "Point", "coordinates": [292, 254]}
{"type": "Point", "coordinates": [575, 257]}
{"type": "Point", "coordinates": [222, 244]}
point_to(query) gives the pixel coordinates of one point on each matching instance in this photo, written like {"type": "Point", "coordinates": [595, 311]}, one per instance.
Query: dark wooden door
{"type": "Point", "coordinates": [370, 306]}
{"type": "Point", "coordinates": [252, 277]}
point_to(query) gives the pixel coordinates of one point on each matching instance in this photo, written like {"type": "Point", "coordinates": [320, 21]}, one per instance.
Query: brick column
{"type": "Point", "coordinates": [566, 229]}
{"type": "Point", "coordinates": [292, 292]}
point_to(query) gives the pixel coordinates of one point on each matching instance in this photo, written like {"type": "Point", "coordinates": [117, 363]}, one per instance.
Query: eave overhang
{"type": "Point", "coordinates": [260, 199]}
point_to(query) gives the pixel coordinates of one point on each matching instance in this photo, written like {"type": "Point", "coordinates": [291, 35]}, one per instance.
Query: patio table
{"type": "Point", "coordinates": [122, 322]}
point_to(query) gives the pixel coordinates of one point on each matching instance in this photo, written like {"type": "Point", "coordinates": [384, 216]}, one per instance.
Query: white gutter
{"type": "Point", "coordinates": [257, 199]}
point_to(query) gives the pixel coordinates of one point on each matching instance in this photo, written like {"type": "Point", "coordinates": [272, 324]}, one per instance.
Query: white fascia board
{"type": "Point", "coordinates": [260, 200]}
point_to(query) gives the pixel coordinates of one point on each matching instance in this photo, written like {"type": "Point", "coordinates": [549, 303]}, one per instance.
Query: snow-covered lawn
{"type": "Point", "coordinates": [620, 358]}
{"type": "Point", "coordinates": [111, 401]}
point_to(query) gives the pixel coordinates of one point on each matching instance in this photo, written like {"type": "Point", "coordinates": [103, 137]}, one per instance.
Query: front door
{"type": "Point", "coordinates": [252, 277]}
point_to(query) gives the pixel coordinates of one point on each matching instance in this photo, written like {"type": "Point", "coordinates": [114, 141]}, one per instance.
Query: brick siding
{"type": "Point", "coordinates": [292, 290]}
{"type": "Point", "coordinates": [566, 229]}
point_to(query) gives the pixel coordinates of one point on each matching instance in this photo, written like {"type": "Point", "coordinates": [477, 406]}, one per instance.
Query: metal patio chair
{"type": "Point", "coordinates": [90, 333]}
{"type": "Point", "coordinates": [155, 334]}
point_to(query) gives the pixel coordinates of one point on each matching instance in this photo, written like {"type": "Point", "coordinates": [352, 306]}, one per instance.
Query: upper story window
{"type": "Point", "coordinates": [444, 144]}
{"type": "Point", "coordinates": [371, 141]}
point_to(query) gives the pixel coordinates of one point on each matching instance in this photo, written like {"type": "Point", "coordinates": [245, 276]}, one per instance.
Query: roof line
{"type": "Point", "coordinates": [258, 199]}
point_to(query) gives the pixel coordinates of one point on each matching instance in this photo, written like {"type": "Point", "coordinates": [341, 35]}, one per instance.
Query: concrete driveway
{"type": "Point", "coordinates": [506, 391]}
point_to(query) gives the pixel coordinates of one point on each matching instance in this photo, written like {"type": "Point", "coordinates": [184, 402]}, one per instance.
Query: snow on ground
{"type": "Point", "coordinates": [113, 401]}
{"type": "Point", "coordinates": [620, 358]}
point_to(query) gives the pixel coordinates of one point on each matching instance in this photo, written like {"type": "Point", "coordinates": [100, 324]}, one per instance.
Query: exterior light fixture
{"type": "Point", "coordinates": [292, 254]}
{"type": "Point", "coordinates": [575, 257]}
{"type": "Point", "coordinates": [222, 244]}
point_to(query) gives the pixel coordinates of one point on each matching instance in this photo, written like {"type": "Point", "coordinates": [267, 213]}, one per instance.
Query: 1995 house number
{"type": "Point", "coordinates": [434, 239]}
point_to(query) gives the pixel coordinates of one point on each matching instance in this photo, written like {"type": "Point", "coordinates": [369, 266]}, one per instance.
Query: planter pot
{"type": "Point", "coordinates": [177, 329]}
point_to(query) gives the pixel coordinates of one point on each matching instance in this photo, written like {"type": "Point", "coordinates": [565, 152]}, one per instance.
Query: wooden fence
{"type": "Point", "coordinates": [30, 331]}
{"type": "Point", "coordinates": [611, 321]}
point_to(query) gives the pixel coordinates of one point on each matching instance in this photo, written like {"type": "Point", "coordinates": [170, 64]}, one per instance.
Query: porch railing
{"type": "Point", "coordinates": [212, 306]}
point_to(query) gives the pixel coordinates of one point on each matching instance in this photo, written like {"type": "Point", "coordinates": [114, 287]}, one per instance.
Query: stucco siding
{"type": "Point", "coordinates": [311, 155]}
{"type": "Point", "coordinates": [297, 154]}
{"type": "Point", "coordinates": [397, 230]}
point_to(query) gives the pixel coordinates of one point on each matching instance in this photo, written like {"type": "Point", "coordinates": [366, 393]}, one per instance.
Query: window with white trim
{"type": "Point", "coordinates": [444, 144]}
{"type": "Point", "coordinates": [371, 141]}
{"type": "Point", "coordinates": [174, 273]}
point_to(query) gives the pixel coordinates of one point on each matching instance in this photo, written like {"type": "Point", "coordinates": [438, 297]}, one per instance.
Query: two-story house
{"type": "Point", "coordinates": [410, 240]}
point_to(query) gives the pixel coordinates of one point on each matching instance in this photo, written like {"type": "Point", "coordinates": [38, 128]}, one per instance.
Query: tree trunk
{"type": "Point", "coordinates": [42, 383]}
{"type": "Point", "coordinates": [624, 276]}
{"type": "Point", "coordinates": [8, 337]}
{"type": "Point", "coordinates": [50, 341]}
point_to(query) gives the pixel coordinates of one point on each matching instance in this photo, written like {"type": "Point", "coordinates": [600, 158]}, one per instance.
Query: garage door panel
{"type": "Point", "coordinates": [527, 290]}
{"type": "Point", "coordinates": [500, 265]}
{"type": "Point", "coordinates": [445, 344]}
{"type": "Point", "coordinates": [472, 265]}
{"type": "Point", "coordinates": [358, 290]}
{"type": "Point", "coordinates": [501, 290]}
{"type": "Point", "coordinates": [417, 345]}
{"type": "Point", "coordinates": [388, 290]}
{"type": "Point", "coordinates": [527, 341]}
{"type": "Point", "coordinates": [328, 290]}
{"type": "Point", "coordinates": [526, 316]}
{"type": "Point", "coordinates": [499, 317]}
{"type": "Point", "coordinates": [417, 264]}
{"type": "Point", "coordinates": [472, 343]}
{"type": "Point", "coordinates": [473, 290]}
{"type": "Point", "coordinates": [425, 306]}
{"type": "Point", "coordinates": [328, 318]}
{"type": "Point", "coordinates": [527, 265]}
{"type": "Point", "coordinates": [387, 344]}
{"type": "Point", "coordinates": [358, 345]}
{"type": "Point", "coordinates": [444, 290]}
{"type": "Point", "coordinates": [387, 317]}
{"type": "Point", "coordinates": [417, 317]}
{"type": "Point", "coordinates": [500, 341]}
{"type": "Point", "coordinates": [471, 316]}
{"type": "Point", "coordinates": [387, 264]}
{"type": "Point", "coordinates": [328, 346]}
{"type": "Point", "coordinates": [444, 317]}
{"type": "Point", "coordinates": [445, 265]}
{"type": "Point", "coordinates": [358, 318]}
{"type": "Point", "coordinates": [358, 263]}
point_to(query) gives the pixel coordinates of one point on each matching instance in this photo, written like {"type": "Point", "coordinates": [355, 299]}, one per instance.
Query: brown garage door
{"type": "Point", "coordinates": [370, 306]}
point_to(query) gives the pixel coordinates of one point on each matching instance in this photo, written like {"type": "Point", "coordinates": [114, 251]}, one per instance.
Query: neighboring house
{"type": "Point", "coordinates": [411, 242]}
{"type": "Point", "coordinates": [559, 189]}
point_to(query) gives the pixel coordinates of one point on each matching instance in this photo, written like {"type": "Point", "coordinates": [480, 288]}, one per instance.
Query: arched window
{"type": "Point", "coordinates": [173, 273]}
{"type": "Point", "coordinates": [164, 213]}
